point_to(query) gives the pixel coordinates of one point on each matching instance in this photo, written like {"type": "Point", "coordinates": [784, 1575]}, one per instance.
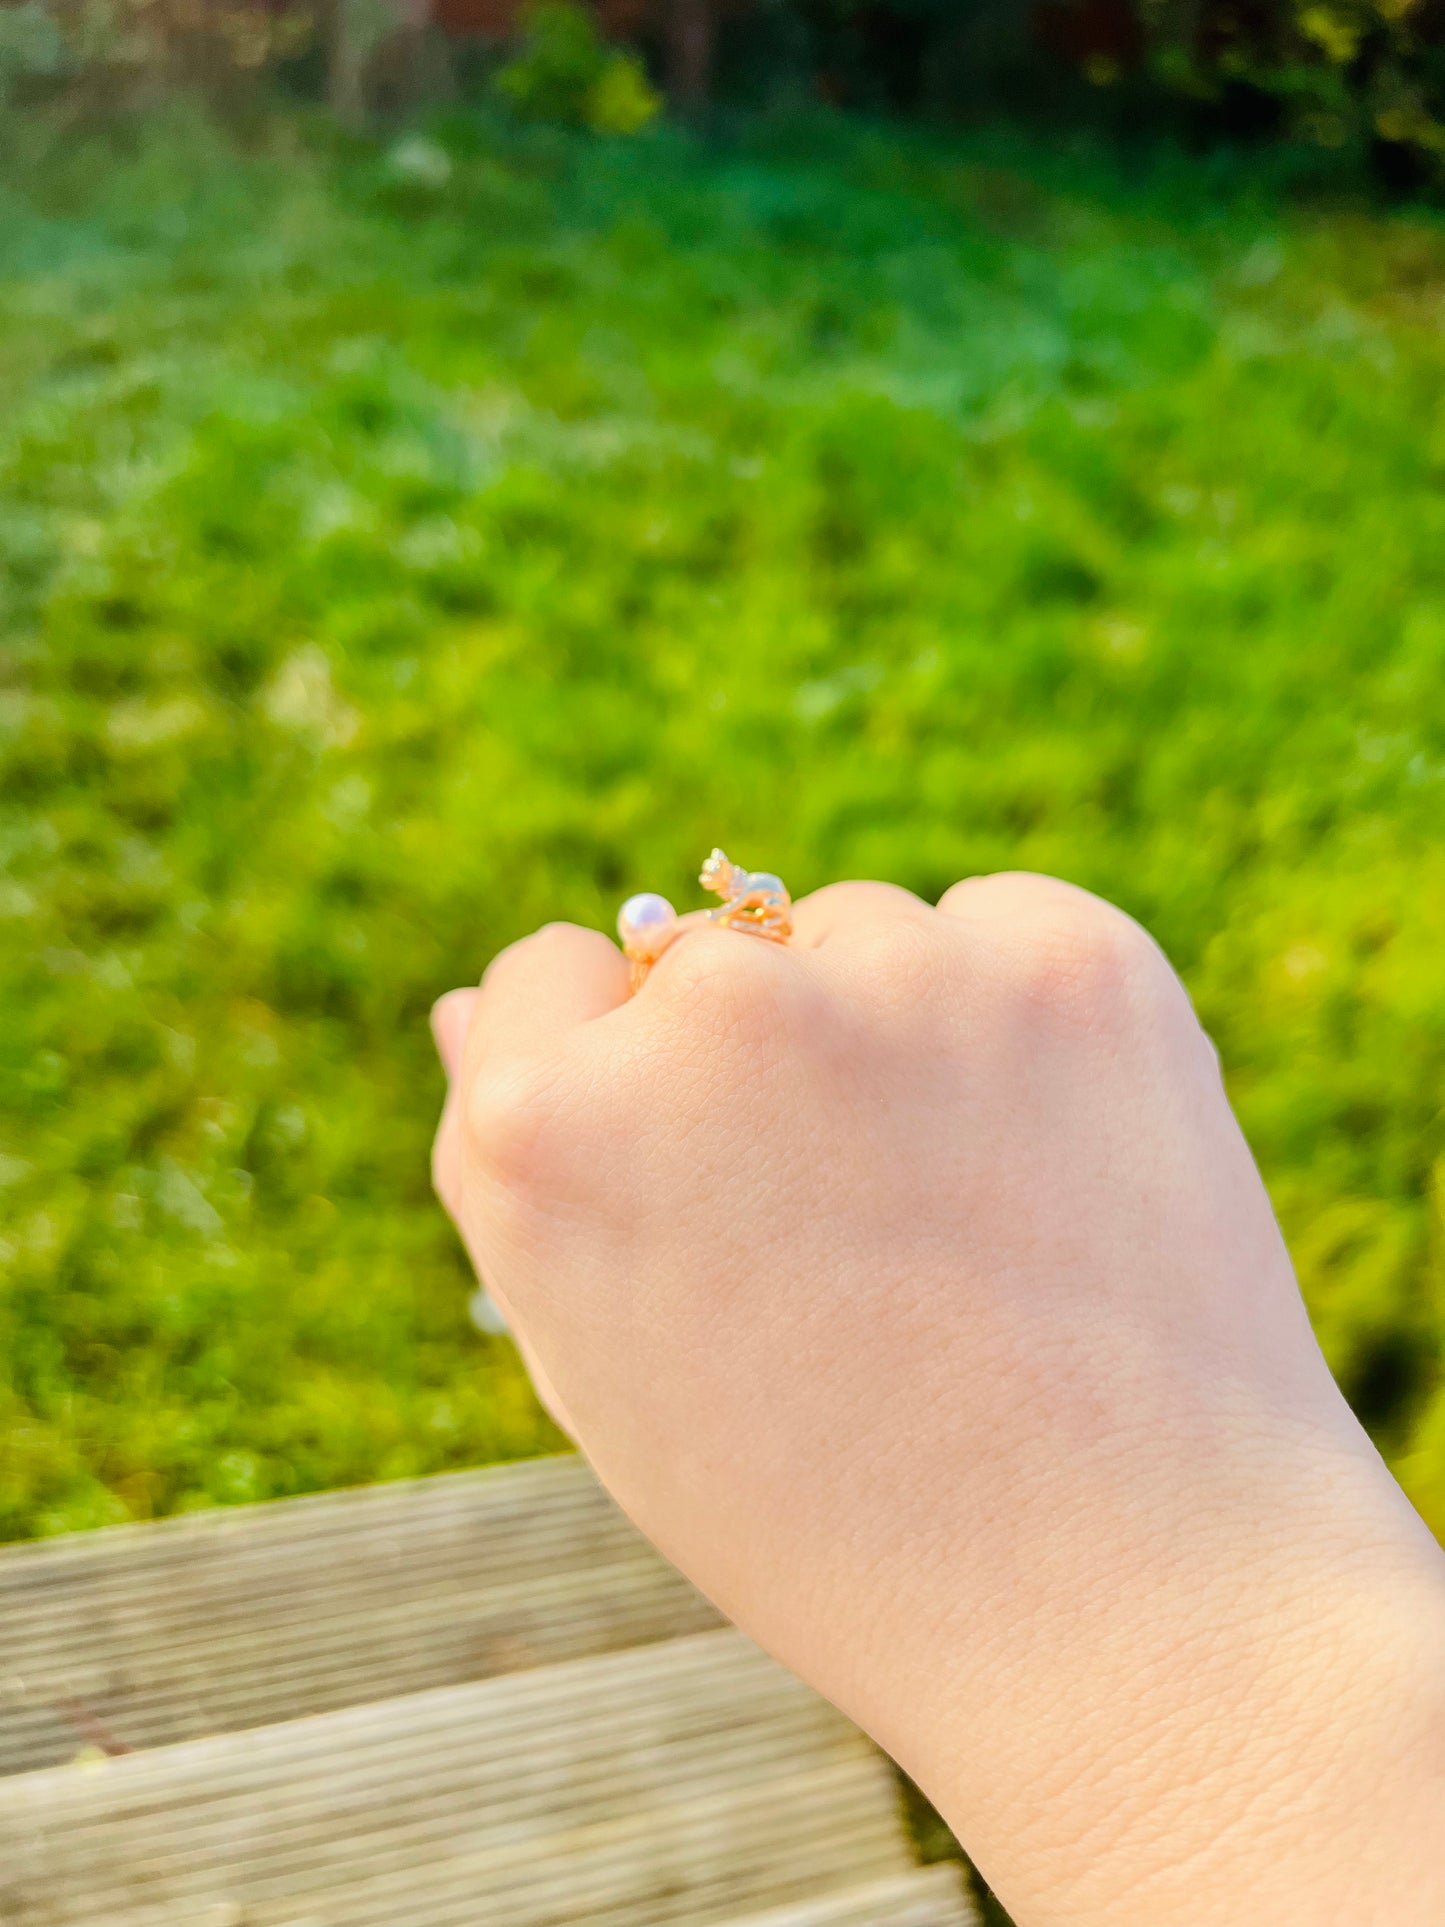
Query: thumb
{"type": "Point", "coordinates": [451, 1019]}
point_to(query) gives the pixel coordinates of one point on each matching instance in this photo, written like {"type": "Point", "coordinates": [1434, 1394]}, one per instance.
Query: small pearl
{"type": "Point", "coordinates": [646, 925]}
{"type": "Point", "coordinates": [644, 920]}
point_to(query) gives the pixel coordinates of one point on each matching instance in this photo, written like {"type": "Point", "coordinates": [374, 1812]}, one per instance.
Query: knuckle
{"type": "Point", "coordinates": [507, 1117]}
{"type": "Point", "coordinates": [1088, 961]}
{"type": "Point", "coordinates": [552, 940]}
{"type": "Point", "coordinates": [863, 899]}
{"type": "Point", "coordinates": [731, 1007]}
{"type": "Point", "coordinates": [721, 978]}
{"type": "Point", "coordinates": [900, 954]}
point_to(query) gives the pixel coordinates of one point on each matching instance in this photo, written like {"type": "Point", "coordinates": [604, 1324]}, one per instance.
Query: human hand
{"type": "Point", "coordinates": [914, 1289]}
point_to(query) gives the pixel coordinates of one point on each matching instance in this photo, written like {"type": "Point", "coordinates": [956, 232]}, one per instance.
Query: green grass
{"type": "Point", "coordinates": [388, 568]}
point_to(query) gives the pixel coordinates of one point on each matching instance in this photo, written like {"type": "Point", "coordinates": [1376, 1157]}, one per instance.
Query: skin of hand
{"type": "Point", "coordinates": [913, 1288]}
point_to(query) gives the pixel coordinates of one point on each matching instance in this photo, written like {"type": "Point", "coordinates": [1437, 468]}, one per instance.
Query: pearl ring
{"type": "Point", "coordinates": [753, 901]}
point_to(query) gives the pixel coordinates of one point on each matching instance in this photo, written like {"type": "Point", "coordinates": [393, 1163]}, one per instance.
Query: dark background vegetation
{"type": "Point", "coordinates": [1363, 78]}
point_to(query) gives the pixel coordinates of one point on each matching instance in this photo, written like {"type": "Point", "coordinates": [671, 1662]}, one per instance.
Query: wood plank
{"type": "Point", "coordinates": [931, 1897]}
{"type": "Point", "coordinates": [688, 1782]}
{"type": "Point", "coordinates": [140, 1636]}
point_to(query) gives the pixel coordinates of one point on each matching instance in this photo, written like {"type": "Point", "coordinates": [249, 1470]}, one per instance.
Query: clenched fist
{"type": "Point", "coordinates": [913, 1288]}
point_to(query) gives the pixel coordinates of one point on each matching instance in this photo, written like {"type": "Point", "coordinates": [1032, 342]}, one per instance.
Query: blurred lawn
{"type": "Point", "coordinates": [389, 566]}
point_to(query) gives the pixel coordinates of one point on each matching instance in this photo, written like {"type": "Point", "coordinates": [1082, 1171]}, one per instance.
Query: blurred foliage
{"type": "Point", "coordinates": [109, 53]}
{"type": "Point", "coordinates": [1365, 78]}
{"type": "Point", "coordinates": [395, 556]}
{"type": "Point", "coordinates": [1345, 72]}
{"type": "Point", "coordinates": [565, 71]}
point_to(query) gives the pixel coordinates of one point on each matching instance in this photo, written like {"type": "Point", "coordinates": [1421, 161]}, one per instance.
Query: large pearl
{"type": "Point", "coordinates": [644, 923]}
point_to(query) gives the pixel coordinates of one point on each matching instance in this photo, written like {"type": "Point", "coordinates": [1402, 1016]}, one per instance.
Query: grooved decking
{"type": "Point", "coordinates": [475, 1701]}
{"type": "Point", "coordinates": [927, 1897]}
{"type": "Point", "coordinates": [145, 1635]}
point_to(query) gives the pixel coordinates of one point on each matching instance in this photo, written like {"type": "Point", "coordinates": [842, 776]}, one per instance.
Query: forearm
{"type": "Point", "coordinates": [1246, 1729]}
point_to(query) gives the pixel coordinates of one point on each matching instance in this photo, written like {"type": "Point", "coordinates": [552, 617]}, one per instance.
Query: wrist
{"type": "Point", "coordinates": [1303, 1779]}
{"type": "Point", "coordinates": [1252, 1731]}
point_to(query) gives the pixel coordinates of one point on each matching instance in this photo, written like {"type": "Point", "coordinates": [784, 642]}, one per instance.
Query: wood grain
{"type": "Point", "coordinates": [693, 1781]}
{"type": "Point", "coordinates": [472, 1701]}
{"type": "Point", "coordinates": [146, 1635]}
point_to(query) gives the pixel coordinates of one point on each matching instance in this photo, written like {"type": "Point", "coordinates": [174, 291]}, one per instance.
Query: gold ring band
{"type": "Point", "coordinates": [754, 902]}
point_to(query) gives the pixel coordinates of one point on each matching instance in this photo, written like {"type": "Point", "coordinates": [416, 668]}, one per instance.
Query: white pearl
{"type": "Point", "coordinates": [643, 919]}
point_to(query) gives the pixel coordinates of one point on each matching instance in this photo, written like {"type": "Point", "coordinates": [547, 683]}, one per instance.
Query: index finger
{"type": "Point", "coordinates": [536, 990]}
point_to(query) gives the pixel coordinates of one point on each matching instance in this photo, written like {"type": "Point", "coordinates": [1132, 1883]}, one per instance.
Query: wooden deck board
{"type": "Point", "coordinates": [472, 1701]}
{"type": "Point", "coordinates": [929, 1897]}
{"type": "Point", "coordinates": [147, 1635]}
{"type": "Point", "coordinates": [688, 1782]}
